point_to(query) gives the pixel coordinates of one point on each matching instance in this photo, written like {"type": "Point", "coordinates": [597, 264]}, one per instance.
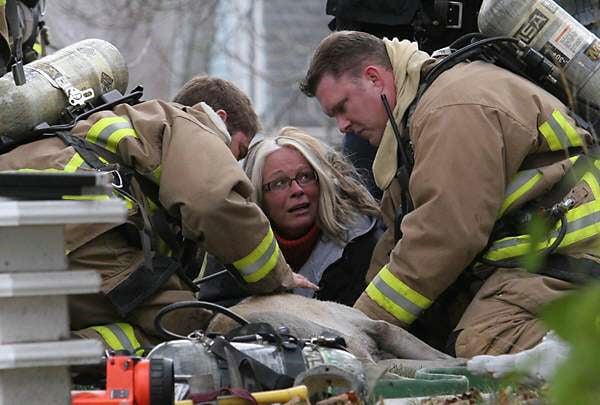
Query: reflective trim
{"type": "Point", "coordinates": [389, 306]}
{"type": "Point", "coordinates": [559, 134]}
{"type": "Point", "coordinates": [156, 174]}
{"type": "Point", "coordinates": [592, 178]}
{"type": "Point", "coordinates": [567, 129]}
{"type": "Point", "coordinates": [97, 197]}
{"type": "Point", "coordinates": [120, 336]}
{"type": "Point", "coordinates": [397, 298]}
{"type": "Point", "coordinates": [260, 261]}
{"type": "Point", "coordinates": [519, 186]}
{"type": "Point", "coordinates": [583, 222]}
{"type": "Point", "coordinates": [108, 132]}
{"type": "Point", "coordinates": [2, 3]}
{"type": "Point", "coordinates": [581, 229]}
{"type": "Point", "coordinates": [75, 163]}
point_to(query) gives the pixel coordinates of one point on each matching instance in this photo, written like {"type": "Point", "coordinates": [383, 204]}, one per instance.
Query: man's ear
{"type": "Point", "coordinates": [374, 75]}
{"type": "Point", "coordinates": [222, 114]}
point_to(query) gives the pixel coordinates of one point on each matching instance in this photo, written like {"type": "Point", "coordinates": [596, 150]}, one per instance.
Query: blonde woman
{"type": "Point", "coordinates": [324, 219]}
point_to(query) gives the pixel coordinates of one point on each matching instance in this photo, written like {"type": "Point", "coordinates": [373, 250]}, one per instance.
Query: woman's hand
{"type": "Point", "coordinates": [302, 282]}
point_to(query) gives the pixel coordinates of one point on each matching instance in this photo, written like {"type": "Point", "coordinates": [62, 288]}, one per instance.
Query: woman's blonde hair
{"type": "Point", "coordinates": [342, 196]}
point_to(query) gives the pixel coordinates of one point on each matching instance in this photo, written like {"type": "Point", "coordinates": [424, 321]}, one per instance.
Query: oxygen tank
{"type": "Point", "coordinates": [80, 72]}
{"type": "Point", "coordinates": [546, 27]}
{"type": "Point", "coordinates": [195, 363]}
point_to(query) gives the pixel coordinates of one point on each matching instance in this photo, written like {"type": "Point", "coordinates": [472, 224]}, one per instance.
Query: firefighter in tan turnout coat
{"type": "Point", "coordinates": [184, 151]}
{"type": "Point", "coordinates": [490, 147]}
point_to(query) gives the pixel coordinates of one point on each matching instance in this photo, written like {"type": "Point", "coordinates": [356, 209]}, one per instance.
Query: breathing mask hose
{"type": "Point", "coordinates": [405, 163]}
{"type": "Point", "coordinates": [463, 54]}
{"type": "Point", "coordinates": [514, 263]}
{"type": "Point", "coordinates": [192, 304]}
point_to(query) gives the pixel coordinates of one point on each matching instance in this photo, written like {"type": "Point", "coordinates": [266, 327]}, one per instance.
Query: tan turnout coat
{"type": "Point", "coordinates": [199, 181]}
{"type": "Point", "coordinates": [472, 130]}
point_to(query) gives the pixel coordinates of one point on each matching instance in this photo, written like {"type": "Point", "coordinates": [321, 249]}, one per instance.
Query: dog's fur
{"type": "Point", "coordinates": [538, 363]}
{"type": "Point", "coordinates": [369, 340]}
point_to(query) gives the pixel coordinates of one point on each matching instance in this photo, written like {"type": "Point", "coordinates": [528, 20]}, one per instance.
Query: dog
{"type": "Point", "coordinates": [371, 341]}
{"type": "Point", "coordinates": [538, 364]}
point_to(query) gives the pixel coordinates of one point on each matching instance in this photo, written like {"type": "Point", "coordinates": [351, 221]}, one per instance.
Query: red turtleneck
{"type": "Point", "coordinates": [297, 251]}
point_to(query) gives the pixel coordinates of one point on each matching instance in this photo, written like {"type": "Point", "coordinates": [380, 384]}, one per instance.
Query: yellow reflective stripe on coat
{"type": "Point", "coordinates": [120, 336]}
{"type": "Point", "coordinates": [108, 132]}
{"type": "Point", "coordinates": [518, 187]}
{"type": "Point", "coordinates": [397, 298]}
{"type": "Point", "coordinates": [583, 223]}
{"type": "Point", "coordinates": [156, 173]}
{"type": "Point", "coordinates": [37, 47]}
{"type": "Point", "coordinates": [76, 162]}
{"type": "Point", "coordinates": [260, 261]}
{"type": "Point", "coordinates": [559, 134]}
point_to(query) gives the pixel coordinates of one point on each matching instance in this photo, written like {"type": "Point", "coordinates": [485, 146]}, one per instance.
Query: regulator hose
{"type": "Point", "coordinates": [514, 263]}
{"type": "Point", "coordinates": [192, 304]}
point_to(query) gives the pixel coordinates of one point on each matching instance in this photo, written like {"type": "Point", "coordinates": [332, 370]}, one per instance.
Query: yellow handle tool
{"type": "Point", "coordinates": [268, 397]}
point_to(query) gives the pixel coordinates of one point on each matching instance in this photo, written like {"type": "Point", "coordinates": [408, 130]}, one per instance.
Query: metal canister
{"type": "Point", "coordinates": [546, 27]}
{"type": "Point", "coordinates": [86, 69]}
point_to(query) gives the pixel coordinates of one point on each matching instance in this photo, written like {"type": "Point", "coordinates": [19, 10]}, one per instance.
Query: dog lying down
{"type": "Point", "coordinates": [369, 340]}
{"type": "Point", "coordinates": [538, 363]}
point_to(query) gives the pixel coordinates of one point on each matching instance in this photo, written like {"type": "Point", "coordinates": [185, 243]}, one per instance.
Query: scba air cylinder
{"type": "Point", "coordinates": [546, 27]}
{"type": "Point", "coordinates": [91, 66]}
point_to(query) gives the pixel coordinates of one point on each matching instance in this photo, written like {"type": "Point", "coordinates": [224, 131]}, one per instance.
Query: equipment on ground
{"type": "Point", "coordinates": [59, 86]}
{"type": "Point", "coordinates": [255, 357]}
{"type": "Point", "coordinates": [132, 381]}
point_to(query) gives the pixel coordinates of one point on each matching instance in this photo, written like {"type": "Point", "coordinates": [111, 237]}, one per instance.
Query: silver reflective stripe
{"type": "Point", "coordinates": [578, 224]}
{"type": "Point", "coordinates": [395, 297]}
{"type": "Point", "coordinates": [559, 132]}
{"type": "Point", "coordinates": [257, 265]}
{"type": "Point", "coordinates": [519, 180]}
{"type": "Point", "coordinates": [121, 336]}
{"type": "Point", "coordinates": [103, 136]}
{"type": "Point", "coordinates": [502, 244]}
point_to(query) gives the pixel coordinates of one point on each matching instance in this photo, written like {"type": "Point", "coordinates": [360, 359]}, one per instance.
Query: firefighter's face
{"type": "Point", "coordinates": [355, 101]}
{"type": "Point", "coordinates": [239, 144]}
{"type": "Point", "coordinates": [290, 192]}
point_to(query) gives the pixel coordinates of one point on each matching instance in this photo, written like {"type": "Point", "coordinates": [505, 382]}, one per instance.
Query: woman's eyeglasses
{"type": "Point", "coordinates": [283, 183]}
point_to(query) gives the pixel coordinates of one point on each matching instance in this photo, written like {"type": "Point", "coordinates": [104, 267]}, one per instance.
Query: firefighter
{"type": "Point", "coordinates": [174, 167]}
{"type": "Point", "coordinates": [492, 150]}
{"type": "Point", "coordinates": [23, 33]}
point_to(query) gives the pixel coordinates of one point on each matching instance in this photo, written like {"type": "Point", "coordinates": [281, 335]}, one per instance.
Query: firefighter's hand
{"type": "Point", "coordinates": [302, 282]}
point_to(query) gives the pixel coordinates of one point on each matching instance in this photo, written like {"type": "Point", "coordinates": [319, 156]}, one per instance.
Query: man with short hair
{"type": "Point", "coordinates": [229, 103]}
{"type": "Point", "coordinates": [183, 187]}
{"type": "Point", "coordinates": [490, 149]}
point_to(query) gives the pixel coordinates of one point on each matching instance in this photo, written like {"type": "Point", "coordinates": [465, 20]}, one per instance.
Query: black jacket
{"type": "Point", "coordinates": [338, 270]}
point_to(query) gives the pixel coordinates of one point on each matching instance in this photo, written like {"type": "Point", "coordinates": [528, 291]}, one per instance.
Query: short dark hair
{"type": "Point", "coordinates": [343, 52]}
{"type": "Point", "coordinates": [221, 94]}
